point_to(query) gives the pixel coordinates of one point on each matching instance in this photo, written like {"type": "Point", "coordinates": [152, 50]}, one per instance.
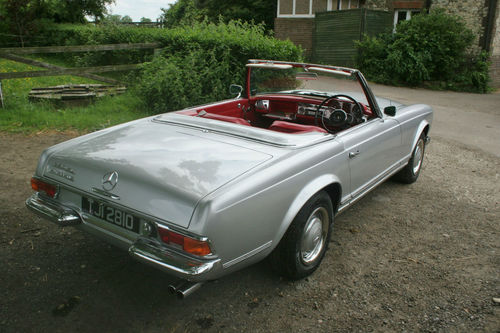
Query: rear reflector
{"type": "Point", "coordinates": [40, 186]}
{"type": "Point", "coordinates": [188, 244]}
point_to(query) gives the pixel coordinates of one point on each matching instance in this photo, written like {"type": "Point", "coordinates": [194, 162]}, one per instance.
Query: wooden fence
{"type": "Point", "coordinates": [53, 70]}
{"type": "Point", "coordinates": [13, 54]}
{"type": "Point", "coordinates": [336, 31]}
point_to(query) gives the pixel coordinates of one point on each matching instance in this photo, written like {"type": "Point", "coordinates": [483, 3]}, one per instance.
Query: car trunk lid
{"type": "Point", "coordinates": [163, 170]}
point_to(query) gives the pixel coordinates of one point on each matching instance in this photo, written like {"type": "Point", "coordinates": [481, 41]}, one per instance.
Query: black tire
{"type": "Point", "coordinates": [300, 252]}
{"type": "Point", "coordinates": [409, 174]}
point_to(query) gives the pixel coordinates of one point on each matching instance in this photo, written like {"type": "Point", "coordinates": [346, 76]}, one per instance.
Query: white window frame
{"type": "Point", "coordinates": [339, 4]}
{"type": "Point", "coordinates": [408, 15]}
{"type": "Point", "coordinates": [293, 15]}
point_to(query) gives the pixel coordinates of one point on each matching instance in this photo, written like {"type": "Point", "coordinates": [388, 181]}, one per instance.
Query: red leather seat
{"type": "Point", "coordinates": [286, 127]}
{"type": "Point", "coordinates": [216, 116]}
{"type": "Point", "coordinates": [228, 119]}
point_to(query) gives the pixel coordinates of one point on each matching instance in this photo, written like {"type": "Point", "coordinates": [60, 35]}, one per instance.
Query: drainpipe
{"type": "Point", "coordinates": [428, 4]}
{"type": "Point", "coordinates": [488, 24]}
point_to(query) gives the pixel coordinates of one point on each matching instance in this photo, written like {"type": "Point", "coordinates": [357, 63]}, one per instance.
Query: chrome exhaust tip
{"type": "Point", "coordinates": [172, 288]}
{"type": "Point", "coordinates": [184, 288]}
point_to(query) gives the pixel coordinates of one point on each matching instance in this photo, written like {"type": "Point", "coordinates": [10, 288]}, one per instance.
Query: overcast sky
{"type": "Point", "coordinates": [139, 8]}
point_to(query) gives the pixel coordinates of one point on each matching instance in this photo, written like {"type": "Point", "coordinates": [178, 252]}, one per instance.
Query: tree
{"type": "Point", "coordinates": [126, 19]}
{"type": "Point", "coordinates": [259, 11]}
{"type": "Point", "coordinates": [145, 20]}
{"type": "Point", "coordinates": [74, 11]}
{"type": "Point", "coordinates": [185, 12]}
{"type": "Point", "coordinates": [112, 19]}
{"type": "Point", "coordinates": [24, 18]}
{"type": "Point", "coordinates": [19, 18]}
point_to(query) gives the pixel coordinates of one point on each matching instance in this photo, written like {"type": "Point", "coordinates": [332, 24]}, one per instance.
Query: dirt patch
{"type": "Point", "coordinates": [423, 257]}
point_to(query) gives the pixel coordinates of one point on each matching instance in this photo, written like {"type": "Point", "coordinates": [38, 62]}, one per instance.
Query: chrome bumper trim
{"type": "Point", "coordinates": [52, 210]}
{"type": "Point", "coordinates": [181, 266]}
{"type": "Point", "coordinates": [143, 249]}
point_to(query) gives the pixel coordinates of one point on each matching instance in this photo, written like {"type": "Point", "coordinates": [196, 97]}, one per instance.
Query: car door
{"type": "Point", "coordinates": [373, 151]}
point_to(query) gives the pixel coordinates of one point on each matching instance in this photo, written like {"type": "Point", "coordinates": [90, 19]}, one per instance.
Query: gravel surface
{"type": "Point", "coordinates": [421, 257]}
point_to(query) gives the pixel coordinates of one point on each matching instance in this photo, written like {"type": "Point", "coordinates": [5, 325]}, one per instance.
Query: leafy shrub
{"type": "Point", "coordinates": [198, 63]}
{"type": "Point", "coordinates": [196, 76]}
{"type": "Point", "coordinates": [428, 49]}
{"type": "Point", "coordinates": [244, 39]}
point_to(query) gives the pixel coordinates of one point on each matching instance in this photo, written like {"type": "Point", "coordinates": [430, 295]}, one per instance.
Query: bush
{"type": "Point", "coordinates": [198, 63]}
{"type": "Point", "coordinates": [197, 76]}
{"type": "Point", "coordinates": [244, 39]}
{"type": "Point", "coordinates": [433, 49]}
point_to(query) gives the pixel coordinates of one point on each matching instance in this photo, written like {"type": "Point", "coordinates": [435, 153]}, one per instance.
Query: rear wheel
{"type": "Point", "coordinates": [409, 174]}
{"type": "Point", "coordinates": [304, 244]}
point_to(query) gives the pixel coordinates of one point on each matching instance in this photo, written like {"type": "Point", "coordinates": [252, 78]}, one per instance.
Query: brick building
{"type": "Point", "coordinates": [295, 20]}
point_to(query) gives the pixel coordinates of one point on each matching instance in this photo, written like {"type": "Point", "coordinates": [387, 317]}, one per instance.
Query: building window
{"type": "Point", "coordinates": [347, 4]}
{"type": "Point", "coordinates": [404, 15]}
{"type": "Point", "coordinates": [295, 8]}
{"type": "Point", "coordinates": [307, 8]}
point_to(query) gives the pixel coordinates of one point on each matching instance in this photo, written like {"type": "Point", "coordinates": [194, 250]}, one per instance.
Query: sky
{"type": "Point", "coordinates": [139, 8]}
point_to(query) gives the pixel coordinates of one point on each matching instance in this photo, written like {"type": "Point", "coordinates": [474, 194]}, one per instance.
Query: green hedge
{"type": "Point", "coordinates": [429, 50]}
{"type": "Point", "coordinates": [243, 39]}
{"type": "Point", "coordinates": [195, 64]}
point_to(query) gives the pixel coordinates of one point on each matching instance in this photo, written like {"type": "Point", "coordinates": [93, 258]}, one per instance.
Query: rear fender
{"type": "Point", "coordinates": [300, 200]}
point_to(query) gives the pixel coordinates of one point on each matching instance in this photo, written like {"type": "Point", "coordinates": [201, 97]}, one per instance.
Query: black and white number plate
{"type": "Point", "coordinates": [110, 214]}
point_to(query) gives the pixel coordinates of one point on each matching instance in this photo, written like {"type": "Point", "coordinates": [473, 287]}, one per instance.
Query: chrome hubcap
{"type": "Point", "coordinates": [417, 156]}
{"type": "Point", "coordinates": [314, 236]}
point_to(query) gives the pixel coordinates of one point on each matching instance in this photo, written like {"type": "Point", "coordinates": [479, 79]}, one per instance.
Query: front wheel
{"type": "Point", "coordinates": [410, 172]}
{"type": "Point", "coordinates": [304, 244]}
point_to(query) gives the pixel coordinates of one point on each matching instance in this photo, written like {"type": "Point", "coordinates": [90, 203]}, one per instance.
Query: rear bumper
{"type": "Point", "coordinates": [146, 250]}
{"type": "Point", "coordinates": [184, 267]}
{"type": "Point", "coordinates": [53, 211]}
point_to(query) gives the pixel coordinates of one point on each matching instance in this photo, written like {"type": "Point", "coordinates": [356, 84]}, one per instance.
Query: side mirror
{"type": "Point", "coordinates": [235, 89]}
{"type": "Point", "coordinates": [390, 110]}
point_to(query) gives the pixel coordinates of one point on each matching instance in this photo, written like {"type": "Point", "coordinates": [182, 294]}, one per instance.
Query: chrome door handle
{"type": "Point", "coordinates": [353, 154]}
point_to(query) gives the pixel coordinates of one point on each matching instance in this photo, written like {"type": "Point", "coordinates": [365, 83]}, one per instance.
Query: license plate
{"type": "Point", "coordinates": [111, 214]}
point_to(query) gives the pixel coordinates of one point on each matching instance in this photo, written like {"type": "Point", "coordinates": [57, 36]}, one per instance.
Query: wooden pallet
{"type": "Point", "coordinates": [75, 92]}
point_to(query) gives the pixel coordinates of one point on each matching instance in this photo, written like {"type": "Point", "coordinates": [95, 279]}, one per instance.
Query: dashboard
{"type": "Point", "coordinates": [304, 110]}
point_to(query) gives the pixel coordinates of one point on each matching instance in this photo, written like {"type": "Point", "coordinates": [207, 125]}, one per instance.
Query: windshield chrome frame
{"type": "Point", "coordinates": [370, 97]}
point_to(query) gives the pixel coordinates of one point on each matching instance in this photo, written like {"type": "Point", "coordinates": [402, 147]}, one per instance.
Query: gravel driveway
{"type": "Point", "coordinates": [420, 257]}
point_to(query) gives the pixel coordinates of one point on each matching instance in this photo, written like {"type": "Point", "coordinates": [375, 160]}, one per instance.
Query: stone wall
{"type": "Point", "coordinates": [472, 11]}
{"type": "Point", "coordinates": [495, 43]}
{"type": "Point", "coordinates": [376, 4]}
{"type": "Point", "coordinates": [298, 30]}
{"type": "Point", "coordinates": [495, 51]}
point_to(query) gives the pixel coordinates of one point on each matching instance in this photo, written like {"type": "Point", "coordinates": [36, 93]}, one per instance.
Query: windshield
{"type": "Point", "coordinates": [307, 80]}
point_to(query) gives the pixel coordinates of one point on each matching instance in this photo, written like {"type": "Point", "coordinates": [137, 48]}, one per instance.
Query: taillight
{"type": "Point", "coordinates": [40, 186]}
{"type": "Point", "coordinates": [188, 244]}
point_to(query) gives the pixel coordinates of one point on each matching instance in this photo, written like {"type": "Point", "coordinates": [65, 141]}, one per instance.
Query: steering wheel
{"type": "Point", "coordinates": [339, 117]}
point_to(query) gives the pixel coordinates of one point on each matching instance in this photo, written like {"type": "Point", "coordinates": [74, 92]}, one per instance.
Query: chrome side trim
{"type": "Point", "coordinates": [246, 255]}
{"type": "Point", "coordinates": [184, 267]}
{"type": "Point", "coordinates": [52, 210]}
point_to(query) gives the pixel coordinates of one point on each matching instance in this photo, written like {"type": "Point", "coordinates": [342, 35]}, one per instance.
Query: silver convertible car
{"type": "Point", "coordinates": [208, 190]}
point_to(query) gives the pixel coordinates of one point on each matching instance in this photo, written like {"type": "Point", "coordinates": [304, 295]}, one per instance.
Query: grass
{"type": "Point", "coordinates": [21, 115]}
